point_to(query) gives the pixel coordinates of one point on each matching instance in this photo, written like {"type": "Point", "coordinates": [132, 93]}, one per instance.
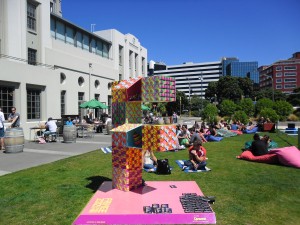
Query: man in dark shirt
{"type": "Point", "coordinates": [258, 147]}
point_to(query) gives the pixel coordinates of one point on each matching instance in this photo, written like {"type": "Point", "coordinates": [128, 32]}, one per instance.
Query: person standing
{"type": "Point", "coordinates": [174, 117]}
{"type": "Point", "coordinates": [14, 118]}
{"type": "Point", "coordinates": [2, 132]}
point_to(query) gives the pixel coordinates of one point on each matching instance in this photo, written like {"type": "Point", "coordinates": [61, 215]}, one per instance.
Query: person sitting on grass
{"type": "Point", "coordinates": [197, 157]}
{"type": "Point", "coordinates": [149, 160]}
{"type": "Point", "coordinates": [258, 146]}
{"type": "Point", "coordinates": [184, 136]}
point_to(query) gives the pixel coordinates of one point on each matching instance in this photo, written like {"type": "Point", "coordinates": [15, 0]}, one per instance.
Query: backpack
{"type": "Point", "coordinates": [163, 166]}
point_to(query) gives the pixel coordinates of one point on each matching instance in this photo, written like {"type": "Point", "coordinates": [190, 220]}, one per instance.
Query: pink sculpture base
{"type": "Point", "coordinates": [112, 206]}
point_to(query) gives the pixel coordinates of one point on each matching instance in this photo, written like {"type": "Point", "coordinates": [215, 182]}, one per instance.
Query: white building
{"type": "Point", "coordinates": [49, 66]}
{"type": "Point", "coordinates": [193, 78]}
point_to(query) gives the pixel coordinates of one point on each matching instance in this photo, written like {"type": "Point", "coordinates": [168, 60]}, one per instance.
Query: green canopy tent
{"type": "Point", "coordinates": [93, 104]}
{"type": "Point", "coordinates": [145, 107]}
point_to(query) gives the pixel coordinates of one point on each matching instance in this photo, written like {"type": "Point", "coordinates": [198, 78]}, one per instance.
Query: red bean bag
{"type": "Point", "coordinates": [238, 132]}
{"type": "Point", "coordinates": [288, 156]}
{"type": "Point", "coordinates": [270, 158]}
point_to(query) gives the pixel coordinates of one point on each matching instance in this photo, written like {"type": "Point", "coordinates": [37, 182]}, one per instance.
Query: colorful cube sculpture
{"type": "Point", "coordinates": [159, 137]}
{"type": "Point", "coordinates": [158, 89]}
{"type": "Point", "coordinates": [129, 137]}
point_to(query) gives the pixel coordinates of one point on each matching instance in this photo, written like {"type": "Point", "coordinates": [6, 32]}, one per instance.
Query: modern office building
{"type": "Point", "coordinates": [193, 78]}
{"type": "Point", "coordinates": [283, 75]}
{"type": "Point", "coordinates": [233, 67]}
{"type": "Point", "coordinates": [49, 66]}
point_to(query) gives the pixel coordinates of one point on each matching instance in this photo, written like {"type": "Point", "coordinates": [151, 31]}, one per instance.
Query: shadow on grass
{"type": "Point", "coordinates": [96, 181]}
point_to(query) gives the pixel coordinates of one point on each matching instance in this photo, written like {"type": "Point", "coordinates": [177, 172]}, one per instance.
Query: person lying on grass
{"type": "Point", "coordinates": [197, 157]}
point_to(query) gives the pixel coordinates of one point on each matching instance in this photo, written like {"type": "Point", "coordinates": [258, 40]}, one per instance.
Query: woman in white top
{"type": "Point", "coordinates": [149, 159]}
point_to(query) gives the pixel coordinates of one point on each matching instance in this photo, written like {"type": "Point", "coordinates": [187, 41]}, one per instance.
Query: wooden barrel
{"type": "Point", "coordinates": [69, 134]}
{"type": "Point", "coordinates": [14, 140]}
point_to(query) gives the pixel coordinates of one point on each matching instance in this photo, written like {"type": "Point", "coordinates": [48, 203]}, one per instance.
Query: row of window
{"type": "Point", "coordinates": [287, 74]}
{"type": "Point", "coordinates": [287, 80]}
{"type": "Point", "coordinates": [31, 16]}
{"type": "Point", "coordinates": [286, 86]}
{"type": "Point", "coordinates": [78, 38]}
{"type": "Point", "coordinates": [279, 68]}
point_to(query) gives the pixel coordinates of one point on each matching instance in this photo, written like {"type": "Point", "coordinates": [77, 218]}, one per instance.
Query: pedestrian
{"type": "Point", "coordinates": [2, 132]}
{"type": "Point", "coordinates": [174, 117]}
{"type": "Point", "coordinates": [14, 118]}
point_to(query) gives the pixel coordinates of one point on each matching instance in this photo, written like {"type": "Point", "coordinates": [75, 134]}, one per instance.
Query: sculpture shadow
{"type": "Point", "coordinates": [95, 182]}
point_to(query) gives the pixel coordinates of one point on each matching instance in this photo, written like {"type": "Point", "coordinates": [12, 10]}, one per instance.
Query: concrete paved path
{"type": "Point", "coordinates": [35, 154]}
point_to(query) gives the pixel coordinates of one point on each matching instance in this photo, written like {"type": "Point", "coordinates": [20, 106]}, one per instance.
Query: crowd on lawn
{"type": "Point", "coordinates": [194, 137]}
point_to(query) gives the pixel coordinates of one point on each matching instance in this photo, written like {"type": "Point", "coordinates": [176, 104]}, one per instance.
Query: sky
{"type": "Point", "coordinates": [178, 31]}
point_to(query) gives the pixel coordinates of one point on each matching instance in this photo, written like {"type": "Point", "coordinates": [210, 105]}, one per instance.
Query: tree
{"type": "Point", "coordinates": [228, 88]}
{"type": "Point", "coordinates": [263, 103]}
{"type": "Point", "coordinates": [283, 109]}
{"type": "Point", "coordinates": [227, 107]}
{"type": "Point", "coordinates": [197, 105]}
{"type": "Point", "coordinates": [241, 116]}
{"type": "Point", "coordinates": [247, 106]}
{"type": "Point", "coordinates": [210, 113]}
{"type": "Point", "coordinates": [175, 106]}
{"type": "Point", "coordinates": [211, 91]}
{"type": "Point", "coordinates": [268, 93]}
{"type": "Point", "coordinates": [294, 97]}
{"type": "Point", "coordinates": [246, 84]}
{"type": "Point", "coordinates": [269, 113]}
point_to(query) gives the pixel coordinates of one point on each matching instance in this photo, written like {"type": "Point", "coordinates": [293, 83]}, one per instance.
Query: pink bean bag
{"type": "Point", "coordinates": [268, 158]}
{"type": "Point", "coordinates": [288, 156]}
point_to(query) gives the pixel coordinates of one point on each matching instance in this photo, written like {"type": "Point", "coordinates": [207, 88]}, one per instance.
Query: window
{"type": "Point", "coordinates": [278, 86]}
{"type": "Point", "coordinates": [52, 25]}
{"type": "Point", "coordinates": [63, 102]}
{"type": "Point", "coordinates": [120, 77]}
{"type": "Point", "coordinates": [278, 68]}
{"type": "Point", "coordinates": [105, 50]}
{"type": "Point", "coordinates": [70, 36]}
{"type": "Point", "coordinates": [80, 81]}
{"type": "Point", "coordinates": [120, 55]}
{"type": "Point", "coordinates": [6, 100]}
{"type": "Point", "coordinates": [62, 78]}
{"type": "Point", "coordinates": [279, 80]}
{"type": "Point", "coordinates": [80, 100]}
{"type": "Point", "coordinates": [85, 41]}
{"type": "Point", "coordinates": [290, 67]}
{"type": "Point", "coordinates": [136, 62]}
{"type": "Point", "coordinates": [290, 74]}
{"type": "Point", "coordinates": [99, 48]}
{"type": "Point", "coordinates": [79, 40]}
{"type": "Point", "coordinates": [60, 31]}
{"type": "Point", "coordinates": [51, 7]}
{"type": "Point", "coordinates": [93, 46]}
{"type": "Point", "coordinates": [143, 65]}
{"type": "Point", "coordinates": [31, 16]}
{"type": "Point", "coordinates": [130, 59]}
{"type": "Point", "coordinates": [97, 84]}
{"type": "Point", "coordinates": [290, 80]}
{"type": "Point", "coordinates": [33, 104]}
{"type": "Point", "coordinates": [287, 86]}
{"type": "Point", "coordinates": [31, 56]}
{"type": "Point", "coordinates": [279, 74]}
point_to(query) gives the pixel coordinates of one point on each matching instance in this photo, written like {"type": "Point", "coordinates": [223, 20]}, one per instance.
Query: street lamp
{"type": "Point", "coordinates": [265, 75]}
{"type": "Point", "coordinates": [189, 95]}
{"type": "Point", "coordinates": [201, 79]}
{"type": "Point", "coordinates": [90, 68]}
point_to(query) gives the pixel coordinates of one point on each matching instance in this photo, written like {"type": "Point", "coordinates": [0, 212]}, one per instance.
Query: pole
{"type": "Point", "coordinates": [180, 106]}
{"type": "Point", "coordinates": [90, 67]}
{"type": "Point", "coordinates": [189, 98]}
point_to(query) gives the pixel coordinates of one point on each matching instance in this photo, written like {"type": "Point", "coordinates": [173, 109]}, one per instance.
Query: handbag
{"type": "Point", "coordinates": [163, 166]}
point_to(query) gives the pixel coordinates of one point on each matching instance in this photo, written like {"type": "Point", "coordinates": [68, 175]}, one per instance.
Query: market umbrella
{"type": "Point", "coordinates": [93, 104]}
{"type": "Point", "coordinates": [145, 107]}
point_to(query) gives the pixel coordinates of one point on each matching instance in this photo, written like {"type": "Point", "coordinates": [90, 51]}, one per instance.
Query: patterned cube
{"type": "Point", "coordinates": [157, 89]}
{"type": "Point", "coordinates": [127, 158]}
{"type": "Point", "coordinates": [159, 137]}
{"type": "Point", "coordinates": [125, 179]}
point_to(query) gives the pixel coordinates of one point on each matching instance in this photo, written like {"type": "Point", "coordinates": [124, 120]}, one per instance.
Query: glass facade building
{"type": "Point", "coordinates": [233, 67]}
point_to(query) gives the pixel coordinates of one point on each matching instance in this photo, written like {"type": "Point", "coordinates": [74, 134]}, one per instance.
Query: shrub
{"type": "Point", "coordinates": [293, 117]}
{"type": "Point", "coordinates": [210, 113]}
{"type": "Point", "coordinates": [269, 113]}
{"type": "Point", "coordinates": [241, 116]}
{"type": "Point", "coordinates": [227, 107]}
{"type": "Point", "coordinates": [247, 106]}
{"type": "Point", "coordinates": [283, 109]}
{"type": "Point", "coordinates": [262, 104]}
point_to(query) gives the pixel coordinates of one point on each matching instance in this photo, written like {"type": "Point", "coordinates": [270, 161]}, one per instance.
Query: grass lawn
{"type": "Point", "coordinates": [246, 192]}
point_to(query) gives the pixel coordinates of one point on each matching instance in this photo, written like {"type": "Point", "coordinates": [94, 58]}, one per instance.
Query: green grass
{"type": "Point", "coordinates": [246, 192]}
